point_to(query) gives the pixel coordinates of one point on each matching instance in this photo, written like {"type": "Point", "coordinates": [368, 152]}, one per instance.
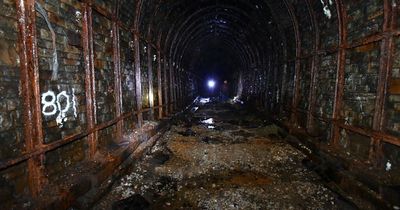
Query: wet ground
{"type": "Point", "coordinates": [218, 156]}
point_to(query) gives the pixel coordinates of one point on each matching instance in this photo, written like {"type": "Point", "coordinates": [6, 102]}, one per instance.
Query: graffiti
{"type": "Point", "coordinates": [60, 103]}
{"type": "Point", "coordinates": [327, 11]}
{"type": "Point", "coordinates": [61, 118]}
{"type": "Point", "coordinates": [74, 103]}
{"type": "Point", "coordinates": [54, 61]}
{"type": "Point", "coordinates": [388, 166]}
{"type": "Point", "coordinates": [49, 103]}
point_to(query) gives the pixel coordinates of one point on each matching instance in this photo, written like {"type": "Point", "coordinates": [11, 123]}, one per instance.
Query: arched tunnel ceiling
{"type": "Point", "coordinates": [255, 31]}
{"type": "Point", "coordinates": [251, 30]}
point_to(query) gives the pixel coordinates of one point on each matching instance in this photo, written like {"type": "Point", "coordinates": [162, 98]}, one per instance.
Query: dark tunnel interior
{"type": "Point", "coordinates": [92, 90]}
{"type": "Point", "coordinates": [215, 61]}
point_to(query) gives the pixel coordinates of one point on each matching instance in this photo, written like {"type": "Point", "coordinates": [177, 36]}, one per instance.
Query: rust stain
{"type": "Point", "coordinates": [8, 53]}
{"type": "Point", "coordinates": [366, 48]}
{"type": "Point", "coordinates": [261, 141]}
{"type": "Point", "coordinates": [394, 86]}
{"type": "Point", "coordinates": [249, 179]}
{"type": "Point", "coordinates": [375, 15]}
{"type": "Point", "coordinates": [99, 64]}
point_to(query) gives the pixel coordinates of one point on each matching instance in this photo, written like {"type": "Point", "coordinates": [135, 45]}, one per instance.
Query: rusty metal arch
{"type": "Point", "coordinates": [175, 39]}
{"type": "Point", "coordinates": [200, 34]}
{"type": "Point", "coordinates": [196, 26]}
{"type": "Point", "coordinates": [244, 58]}
{"type": "Point", "coordinates": [220, 13]}
{"type": "Point", "coordinates": [172, 30]}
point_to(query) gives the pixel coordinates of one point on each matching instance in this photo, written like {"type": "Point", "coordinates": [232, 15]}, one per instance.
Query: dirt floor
{"type": "Point", "coordinates": [218, 156]}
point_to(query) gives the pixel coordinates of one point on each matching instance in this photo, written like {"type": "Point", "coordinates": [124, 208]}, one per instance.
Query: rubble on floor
{"type": "Point", "coordinates": [233, 161]}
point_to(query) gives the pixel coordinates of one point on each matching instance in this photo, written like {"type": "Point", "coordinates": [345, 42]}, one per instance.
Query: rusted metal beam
{"type": "Point", "coordinates": [181, 88]}
{"type": "Point", "coordinates": [138, 79]}
{"type": "Point", "coordinates": [270, 86]}
{"type": "Point", "coordinates": [314, 69]}
{"type": "Point", "coordinates": [102, 11]}
{"type": "Point", "coordinates": [268, 76]}
{"type": "Point", "coordinates": [171, 86]}
{"type": "Point", "coordinates": [87, 39]}
{"type": "Point", "coordinates": [275, 93]}
{"type": "Point", "coordinates": [117, 72]}
{"type": "Point", "coordinates": [358, 130]}
{"type": "Point", "coordinates": [340, 73]}
{"type": "Point", "coordinates": [150, 79]}
{"type": "Point", "coordinates": [284, 84]}
{"type": "Point", "coordinates": [386, 63]}
{"type": "Point", "coordinates": [174, 87]}
{"type": "Point", "coordinates": [136, 43]}
{"type": "Point", "coordinates": [166, 85]}
{"type": "Point", "coordinates": [67, 140]}
{"type": "Point", "coordinates": [357, 43]}
{"type": "Point", "coordinates": [29, 68]}
{"type": "Point", "coordinates": [296, 87]}
{"type": "Point", "coordinates": [159, 85]}
{"type": "Point", "coordinates": [384, 137]}
{"type": "Point", "coordinates": [178, 88]}
{"type": "Point", "coordinates": [57, 144]}
{"type": "Point", "coordinates": [190, 25]}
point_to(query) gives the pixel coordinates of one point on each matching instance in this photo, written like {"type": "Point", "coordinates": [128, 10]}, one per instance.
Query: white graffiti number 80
{"type": "Point", "coordinates": [49, 104]}
{"type": "Point", "coordinates": [52, 105]}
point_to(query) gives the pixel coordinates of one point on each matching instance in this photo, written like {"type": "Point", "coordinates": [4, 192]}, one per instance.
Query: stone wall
{"type": "Point", "coordinates": [335, 71]}
{"type": "Point", "coordinates": [82, 81]}
{"type": "Point", "coordinates": [340, 88]}
{"type": "Point", "coordinates": [14, 180]}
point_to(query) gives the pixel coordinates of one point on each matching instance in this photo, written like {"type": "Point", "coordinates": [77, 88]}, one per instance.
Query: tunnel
{"type": "Point", "coordinates": [199, 104]}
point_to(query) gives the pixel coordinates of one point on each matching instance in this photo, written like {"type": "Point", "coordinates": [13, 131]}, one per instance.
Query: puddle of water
{"type": "Point", "coordinates": [204, 100]}
{"type": "Point", "coordinates": [209, 121]}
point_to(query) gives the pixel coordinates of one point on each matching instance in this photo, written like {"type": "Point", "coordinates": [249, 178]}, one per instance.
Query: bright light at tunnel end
{"type": "Point", "coordinates": [211, 84]}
